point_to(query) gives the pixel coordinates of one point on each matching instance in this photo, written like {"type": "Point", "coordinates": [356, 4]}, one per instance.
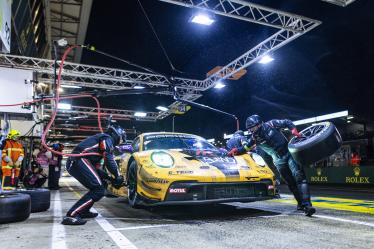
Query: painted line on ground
{"type": "Point", "coordinates": [140, 227]}
{"type": "Point", "coordinates": [345, 220]}
{"type": "Point", "coordinates": [58, 230]}
{"type": "Point", "coordinates": [343, 204]}
{"type": "Point", "coordinates": [137, 219]}
{"type": "Point", "coordinates": [118, 238]}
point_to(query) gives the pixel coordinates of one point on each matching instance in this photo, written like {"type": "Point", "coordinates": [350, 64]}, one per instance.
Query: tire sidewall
{"type": "Point", "coordinates": [14, 207]}
{"type": "Point", "coordinates": [40, 198]}
{"type": "Point", "coordinates": [134, 200]}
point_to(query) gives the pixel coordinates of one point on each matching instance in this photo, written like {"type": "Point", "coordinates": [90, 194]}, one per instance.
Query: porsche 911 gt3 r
{"type": "Point", "coordinates": [167, 168]}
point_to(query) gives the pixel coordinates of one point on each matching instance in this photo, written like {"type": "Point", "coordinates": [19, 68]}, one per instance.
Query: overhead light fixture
{"type": "Point", "coordinates": [64, 106]}
{"type": "Point", "coordinates": [71, 86]}
{"type": "Point", "coordinates": [140, 114]}
{"type": "Point", "coordinates": [350, 117]}
{"type": "Point", "coordinates": [61, 90]}
{"type": "Point", "coordinates": [202, 19]}
{"type": "Point", "coordinates": [219, 85]}
{"type": "Point", "coordinates": [139, 87]}
{"type": "Point", "coordinates": [265, 59]}
{"type": "Point", "coordinates": [322, 118]}
{"type": "Point", "coordinates": [348, 121]}
{"type": "Point", "coordinates": [162, 108]}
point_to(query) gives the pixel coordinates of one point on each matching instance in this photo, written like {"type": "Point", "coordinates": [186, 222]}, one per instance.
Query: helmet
{"type": "Point", "coordinates": [13, 134]}
{"type": "Point", "coordinates": [117, 133]}
{"type": "Point", "coordinates": [253, 121]}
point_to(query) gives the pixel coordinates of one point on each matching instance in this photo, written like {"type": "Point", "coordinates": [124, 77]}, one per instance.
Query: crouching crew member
{"type": "Point", "coordinates": [268, 137]}
{"type": "Point", "coordinates": [88, 171]}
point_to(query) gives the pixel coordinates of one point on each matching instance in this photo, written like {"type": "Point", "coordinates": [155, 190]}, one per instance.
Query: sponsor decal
{"type": "Point", "coordinates": [181, 172]}
{"type": "Point", "coordinates": [357, 178]}
{"type": "Point", "coordinates": [262, 171]}
{"type": "Point", "coordinates": [180, 166]}
{"type": "Point", "coordinates": [319, 177]}
{"type": "Point", "coordinates": [245, 167]}
{"type": "Point", "coordinates": [177, 190]}
{"type": "Point", "coordinates": [216, 159]}
{"type": "Point", "coordinates": [204, 167]}
{"type": "Point", "coordinates": [156, 180]}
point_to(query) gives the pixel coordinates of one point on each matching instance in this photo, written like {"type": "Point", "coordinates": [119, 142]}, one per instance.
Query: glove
{"type": "Point", "coordinates": [233, 152]}
{"type": "Point", "coordinates": [295, 132]}
{"type": "Point", "coordinates": [7, 159]}
{"type": "Point", "coordinates": [118, 182]}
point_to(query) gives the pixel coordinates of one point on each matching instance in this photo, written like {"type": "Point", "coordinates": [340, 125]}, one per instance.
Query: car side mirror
{"type": "Point", "coordinates": [125, 148]}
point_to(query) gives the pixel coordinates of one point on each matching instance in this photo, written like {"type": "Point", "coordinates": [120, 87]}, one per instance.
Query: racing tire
{"type": "Point", "coordinates": [316, 143]}
{"type": "Point", "coordinates": [132, 193]}
{"type": "Point", "coordinates": [14, 207]}
{"type": "Point", "coordinates": [40, 198]}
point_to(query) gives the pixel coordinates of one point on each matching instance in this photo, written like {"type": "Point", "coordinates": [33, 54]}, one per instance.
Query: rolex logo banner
{"type": "Point", "coordinates": [5, 24]}
{"type": "Point", "coordinates": [341, 175]}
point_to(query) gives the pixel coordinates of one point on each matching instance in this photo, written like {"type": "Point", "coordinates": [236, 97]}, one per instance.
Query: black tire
{"type": "Point", "coordinates": [317, 142]}
{"type": "Point", "coordinates": [40, 198]}
{"type": "Point", "coordinates": [132, 193]}
{"type": "Point", "coordinates": [14, 207]}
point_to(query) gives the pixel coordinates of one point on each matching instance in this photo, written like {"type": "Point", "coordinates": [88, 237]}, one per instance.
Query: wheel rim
{"type": "Point", "coordinates": [132, 183]}
{"type": "Point", "coordinates": [308, 133]}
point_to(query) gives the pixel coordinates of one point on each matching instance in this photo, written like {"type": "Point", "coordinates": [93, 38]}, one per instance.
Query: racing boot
{"type": "Point", "coordinates": [73, 221]}
{"type": "Point", "coordinates": [88, 215]}
{"type": "Point", "coordinates": [305, 197]}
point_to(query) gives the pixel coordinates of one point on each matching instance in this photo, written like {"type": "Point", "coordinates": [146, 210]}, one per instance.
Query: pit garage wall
{"type": "Point", "coordinates": [349, 175]}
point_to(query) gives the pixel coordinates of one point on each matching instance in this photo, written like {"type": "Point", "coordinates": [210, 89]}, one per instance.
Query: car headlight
{"type": "Point", "coordinates": [258, 159]}
{"type": "Point", "coordinates": [162, 159]}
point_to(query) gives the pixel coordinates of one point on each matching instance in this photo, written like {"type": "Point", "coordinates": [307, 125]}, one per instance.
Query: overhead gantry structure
{"type": "Point", "coordinates": [342, 3]}
{"type": "Point", "coordinates": [289, 27]}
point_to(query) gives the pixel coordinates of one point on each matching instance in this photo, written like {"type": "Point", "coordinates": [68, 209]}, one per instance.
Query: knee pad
{"type": "Point", "coordinates": [97, 193]}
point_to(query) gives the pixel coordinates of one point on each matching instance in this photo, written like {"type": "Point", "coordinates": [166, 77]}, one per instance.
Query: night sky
{"type": "Point", "coordinates": [326, 70]}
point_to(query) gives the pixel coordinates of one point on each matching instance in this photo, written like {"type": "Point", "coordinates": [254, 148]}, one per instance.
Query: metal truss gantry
{"type": "Point", "coordinates": [85, 111]}
{"type": "Point", "coordinates": [290, 26]}
{"type": "Point", "coordinates": [342, 3]}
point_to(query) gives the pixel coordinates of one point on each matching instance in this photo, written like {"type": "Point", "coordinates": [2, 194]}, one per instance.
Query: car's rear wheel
{"type": "Point", "coordinates": [132, 188]}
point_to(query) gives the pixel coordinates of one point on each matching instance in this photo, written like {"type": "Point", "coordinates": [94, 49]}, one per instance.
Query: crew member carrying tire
{"type": "Point", "coordinates": [89, 172]}
{"type": "Point", "coordinates": [12, 157]}
{"type": "Point", "coordinates": [268, 137]}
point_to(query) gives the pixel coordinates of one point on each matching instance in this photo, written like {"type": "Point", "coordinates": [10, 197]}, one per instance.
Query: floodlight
{"type": "Point", "coordinates": [64, 106]}
{"type": "Point", "coordinates": [139, 87]}
{"type": "Point", "coordinates": [140, 114]}
{"type": "Point", "coordinates": [162, 108]}
{"type": "Point", "coordinates": [265, 59]}
{"type": "Point", "coordinates": [219, 85]}
{"type": "Point", "coordinates": [202, 19]}
{"type": "Point", "coordinates": [71, 86]}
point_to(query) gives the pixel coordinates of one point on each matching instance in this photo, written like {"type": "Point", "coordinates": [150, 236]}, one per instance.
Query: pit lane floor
{"type": "Point", "coordinates": [268, 224]}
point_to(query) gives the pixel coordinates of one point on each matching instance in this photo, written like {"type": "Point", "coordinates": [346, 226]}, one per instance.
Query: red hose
{"type": "Point", "coordinates": [54, 113]}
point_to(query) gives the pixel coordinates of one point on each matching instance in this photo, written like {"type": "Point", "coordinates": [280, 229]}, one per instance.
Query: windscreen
{"type": "Point", "coordinates": [172, 141]}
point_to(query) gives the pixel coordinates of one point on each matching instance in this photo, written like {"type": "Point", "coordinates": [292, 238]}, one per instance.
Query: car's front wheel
{"type": "Point", "coordinates": [132, 187]}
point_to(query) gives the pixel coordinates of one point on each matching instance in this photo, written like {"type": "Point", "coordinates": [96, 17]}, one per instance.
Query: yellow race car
{"type": "Point", "coordinates": [164, 168]}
